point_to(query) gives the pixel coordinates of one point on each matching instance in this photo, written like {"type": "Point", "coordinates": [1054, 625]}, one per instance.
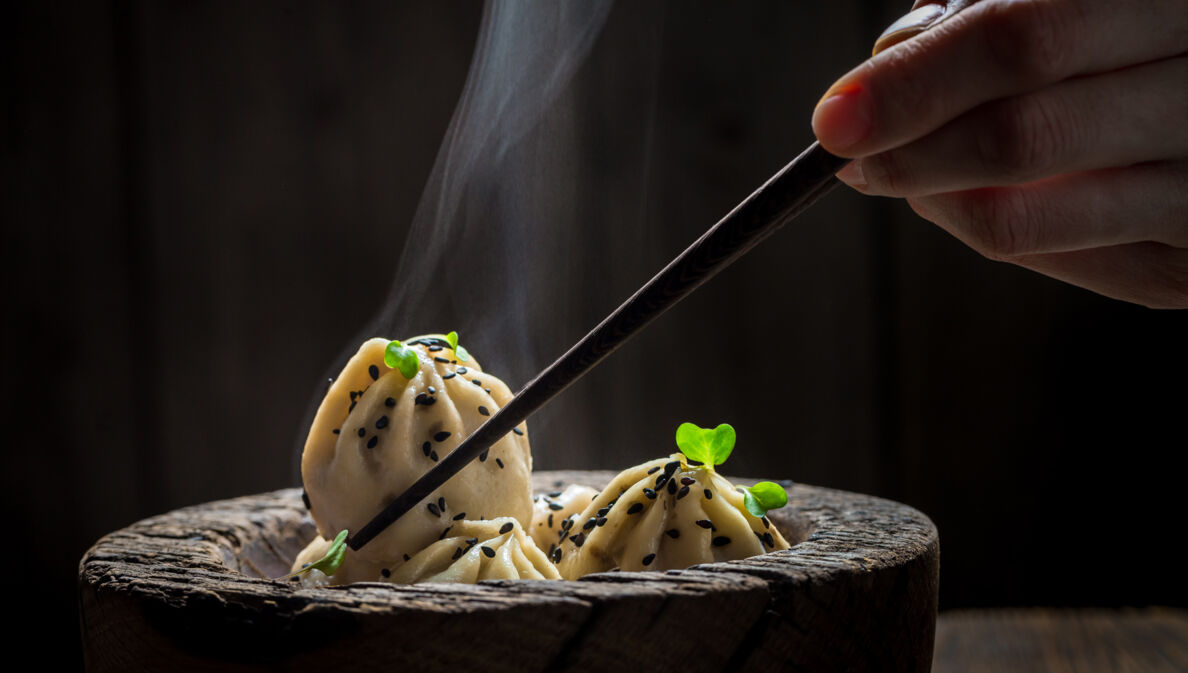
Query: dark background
{"type": "Point", "coordinates": [203, 203]}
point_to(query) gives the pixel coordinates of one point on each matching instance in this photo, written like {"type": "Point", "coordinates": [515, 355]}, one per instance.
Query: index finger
{"type": "Point", "coordinates": [990, 50]}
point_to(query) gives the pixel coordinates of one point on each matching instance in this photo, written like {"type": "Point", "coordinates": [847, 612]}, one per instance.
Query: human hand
{"type": "Point", "coordinates": [1052, 134]}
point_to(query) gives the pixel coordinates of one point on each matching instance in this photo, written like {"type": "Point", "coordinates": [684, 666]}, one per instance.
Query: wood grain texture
{"type": "Point", "coordinates": [189, 590]}
{"type": "Point", "coordinates": [1151, 640]}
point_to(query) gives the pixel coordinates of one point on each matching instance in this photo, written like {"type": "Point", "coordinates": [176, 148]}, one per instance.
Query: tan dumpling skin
{"type": "Point", "coordinates": [498, 549]}
{"type": "Point", "coordinates": [550, 511]}
{"type": "Point", "coordinates": [664, 515]}
{"type": "Point", "coordinates": [376, 432]}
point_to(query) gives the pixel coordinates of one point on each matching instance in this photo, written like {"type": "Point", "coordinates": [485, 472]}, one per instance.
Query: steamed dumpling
{"type": "Point", "coordinates": [663, 515]}
{"type": "Point", "coordinates": [376, 432]}
{"type": "Point", "coordinates": [478, 550]}
{"type": "Point", "coordinates": [550, 512]}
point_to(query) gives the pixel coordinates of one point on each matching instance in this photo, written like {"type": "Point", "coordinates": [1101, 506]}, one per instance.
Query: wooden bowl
{"type": "Point", "coordinates": [189, 590]}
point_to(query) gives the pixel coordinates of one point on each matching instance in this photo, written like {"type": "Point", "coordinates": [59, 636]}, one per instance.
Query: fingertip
{"type": "Point", "coordinates": [843, 118]}
{"type": "Point", "coordinates": [852, 175]}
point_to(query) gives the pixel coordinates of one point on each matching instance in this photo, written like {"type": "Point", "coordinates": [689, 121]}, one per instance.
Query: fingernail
{"type": "Point", "coordinates": [909, 25]}
{"type": "Point", "coordinates": [851, 174]}
{"type": "Point", "coordinates": [842, 119]}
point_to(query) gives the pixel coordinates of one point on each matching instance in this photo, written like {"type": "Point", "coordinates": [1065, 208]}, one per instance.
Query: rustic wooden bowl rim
{"type": "Point", "coordinates": [230, 548]}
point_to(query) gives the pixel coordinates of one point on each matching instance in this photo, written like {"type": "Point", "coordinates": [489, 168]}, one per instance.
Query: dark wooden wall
{"type": "Point", "coordinates": [203, 204]}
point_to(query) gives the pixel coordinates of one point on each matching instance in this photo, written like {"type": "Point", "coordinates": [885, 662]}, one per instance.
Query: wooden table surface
{"type": "Point", "coordinates": [1151, 640]}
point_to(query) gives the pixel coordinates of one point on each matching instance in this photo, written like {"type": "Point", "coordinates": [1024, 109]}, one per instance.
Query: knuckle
{"type": "Point", "coordinates": [1029, 40]}
{"type": "Point", "coordinates": [999, 224]}
{"type": "Point", "coordinates": [887, 174]}
{"type": "Point", "coordinates": [1023, 137]}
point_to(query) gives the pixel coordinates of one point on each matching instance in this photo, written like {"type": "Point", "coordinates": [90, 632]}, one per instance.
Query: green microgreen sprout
{"type": "Point", "coordinates": [460, 351]}
{"type": "Point", "coordinates": [764, 496]}
{"type": "Point", "coordinates": [329, 563]}
{"type": "Point", "coordinates": [713, 447]}
{"type": "Point", "coordinates": [706, 446]}
{"type": "Point", "coordinates": [398, 356]}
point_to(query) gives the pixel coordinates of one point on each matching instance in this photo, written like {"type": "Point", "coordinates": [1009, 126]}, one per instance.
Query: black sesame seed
{"type": "Point", "coordinates": [430, 401]}
{"type": "Point", "coordinates": [490, 553]}
{"type": "Point", "coordinates": [768, 540]}
{"type": "Point", "coordinates": [386, 573]}
{"type": "Point", "coordinates": [426, 448]}
{"type": "Point", "coordinates": [483, 455]}
{"type": "Point", "coordinates": [390, 402]}
{"type": "Point", "coordinates": [463, 370]}
{"type": "Point", "coordinates": [550, 519]}
{"type": "Point", "coordinates": [660, 481]}
{"type": "Point", "coordinates": [673, 533]}
{"type": "Point", "coordinates": [518, 431]}
{"type": "Point", "coordinates": [373, 441]}
{"type": "Point", "coordinates": [374, 371]}
{"type": "Point", "coordinates": [671, 487]}
{"type": "Point", "coordinates": [766, 524]}
{"type": "Point", "coordinates": [669, 468]}
{"type": "Point", "coordinates": [578, 540]}
{"type": "Point", "coordinates": [506, 528]}
{"type": "Point", "coordinates": [558, 484]}
{"type": "Point", "coordinates": [381, 423]}
{"type": "Point", "coordinates": [590, 524]}
{"type": "Point", "coordinates": [406, 557]}
{"type": "Point", "coordinates": [362, 432]}
{"type": "Point", "coordinates": [758, 536]}
{"type": "Point", "coordinates": [499, 462]}
{"type": "Point", "coordinates": [683, 492]}
{"type": "Point", "coordinates": [483, 410]}
{"type": "Point", "coordinates": [709, 495]}
{"type": "Point", "coordinates": [476, 382]}
{"type": "Point", "coordinates": [352, 407]}
{"type": "Point", "coordinates": [654, 470]}
{"type": "Point", "coordinates": [649, 493]}
{"type": "Point", "coordinates": [434, 349]}
{"type": "Point", "coordinates": [434, 509]}
{"type": "Point", "coordinates": [704, 523]}
{"type": "Point", "coordinates": [443, 533]}
{"type": "Point", "coordinates": [604, 511]}
{"type": "Point", "coordinates": [688, 480]}
{"type": "Point", "coordinates": [635, 508]}
{"type": "Point", "coordinates": [354, 395]}
{"type": "Point", "coordinates": [459, 516]}
{"type": "Point", "coordinates": [557, 555]}
{"type": "Point", "coordinates": [447, 377]}
{"type": "Point", "coordinates": [487, 390]}
{"type": "Point", "coordinates": [471, 541]}
{"type": "Point", "coordinates": [441, 503]}
{"type": "Point", "coordinates": [602, 521]}
{"type": "Point", "coordinates": [551, 548]}
{"type": "Point", "coordinates": [433, 455]}
{"type": "Point", "coordinates": [457, 554]}
{"type": "Point", "coordinates": [441, 359]}
{"type": "Point", "coordinates": [555, 507]}
{"type": "Point", "coordinates": [647, 560]}
{"type": "Point", "coordinates": [554, 494]}
{"type": "Point", "coordinates": [441, 436]}
{"type": "Point", "coordinates": [721, 541]}
{"type": "Point", "coordinates": [305, 499]}
{"type": "Point", "coordinates": [336, 430]}
{"type": "Point", "coordinates": [567, 524]}
{"type": "Point", "coordinates": [432, 390]}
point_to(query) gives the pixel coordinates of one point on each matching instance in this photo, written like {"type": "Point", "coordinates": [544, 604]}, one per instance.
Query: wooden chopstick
{"type": "Point", "coordinates": [787, 194]}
